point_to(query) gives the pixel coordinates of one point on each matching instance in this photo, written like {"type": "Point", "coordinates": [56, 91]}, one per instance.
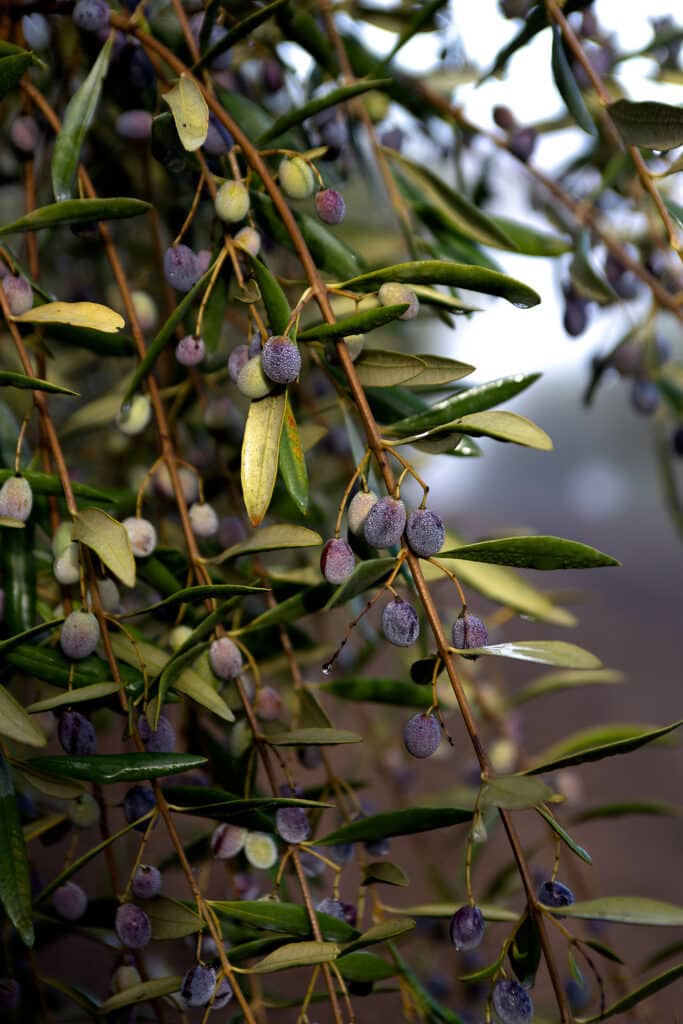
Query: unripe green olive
{"type": "Point", "coordinates": [296, 178]}
{"type": "Point", "coordinates": [232, 201]}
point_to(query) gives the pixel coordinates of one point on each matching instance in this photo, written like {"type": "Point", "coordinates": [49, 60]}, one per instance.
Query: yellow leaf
{"type": "Point", "coordinates": [108, 538]}
{"type": "Point", "coordinates": [190, 112]}
{"type": "Point", "coordinates": [261, 453]}
{"type": "Point", "coordinates": [75, 314]}
{"type": "Point", "coordinates": [16, 723]}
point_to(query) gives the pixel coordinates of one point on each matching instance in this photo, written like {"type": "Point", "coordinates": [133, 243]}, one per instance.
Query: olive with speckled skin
{"type": "Point", "coordinates": [422, 735]}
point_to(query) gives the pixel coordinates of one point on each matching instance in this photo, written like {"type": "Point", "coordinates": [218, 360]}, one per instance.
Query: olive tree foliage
{"type": "Point", "coordinates": [232, 620]}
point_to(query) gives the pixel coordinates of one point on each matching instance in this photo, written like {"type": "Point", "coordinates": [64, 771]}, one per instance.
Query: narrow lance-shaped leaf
{"type": "Point", "coordinates": [567, 85]}
{"type": "Point", "coordinates": [11, 70]}
{"type": "Point", "coordinates": [627, 910]}
{"type": "Point", "coordinates": [297, 954]}
{"type": "Point", "coordinates": [458, 212]}
{"type": "Point", "coordinates": [76, 211]}
{"type": "Point", "coordinates": [587, 280]}
{"type": "Point", "coordinates": [542, 552]}
{"type": "Point", "coordinates": [359, 323]}
{"type": "Point", "coordinates": [165, 335]}
{"type": "Point", "coordinates": [91, 315]}
{"type": "Point", "coordinates": [292, 464]}
{"type": "Point", "coordinates": [330, 99]}
{"type": "Point", "coordinates": [379, 691]}
{"type": "Point", "coordinates": [10, 379]}
{"type": "Point", "coordinates": [469, 400]}
{"type": "Point", "coordinates": [650, 124]}
{"type": "Point", "coordinates": [274, 298]}
{"type": "Point", "coordinates": [543, 652]}
{"type": "Point", "coordinates": [15, 882]}
{"type": "Point", "coordinates": [283, 917]}
{"type": "Point", "coordinates": [142, 993]}
{"type": "Point", "coordinates": [639, 994]}
{"type": "Point", "coordinates": [77, 120]}
{"type": "Point", "coordinates": [16, 723]}
{"type": "Point", "coordinates": [513, 792]}
{"type": "Point", "coordinates": [595, 745]}
{"type": "Point", "coordinates": [457, 275]}
{"type": "Point", "coordinates": [108, 768]}
{"type": "Point", "coordinates": [569, 679]}
{"type": "Point", "coordinates": [260, 453]}
{"type": "Point", "coordinates": [313, 737]}
{"type": "Point", "coordinates": [584, 855]}
{"type": "Point", "coordinates": [277, 537]}
{"type": "Point", "coordinates": [108, 539]}
{"type": "Point", "coordinates": [396, 823]}
{"type": "Point", "coordinates": [241, 30]}
{"type": "Point", "coordinates": [377, 368]}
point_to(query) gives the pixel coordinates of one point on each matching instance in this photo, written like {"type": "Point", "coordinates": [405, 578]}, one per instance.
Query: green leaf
{"type": "Point", "coordinates": [359, 323]}
{"type": "Point", "coordinates": [108, 539]}
{"type": "Point", "coordinates": [651, 125]}
{"type": "Point", "coordinates": [16, 723]}
{"type": "Point", "coordinates": [11, 70]}
{"type": "Point", "coordinates": [331, 255]}
{"type": "Point", "coordinates": [513, 793]}
{"type": "Point", "coordinates": [172, 919]}
{"type": "Point", "coordinates": [544, 652]}
{"type": "Point", "coordinates": [584, 855]}
{"type": "Point", "coordinates": [315, 737]}
{"type": "Point", "coordinates": [625, 808]}
{"type": "Point", "coordinates": [241, 30]}
{"type": "Point", "coordinates": [567, 85]}
{"type": "Point", "coordinates": [457, 275]}
{"type": "Point", "coordinates": [529, 240]}
{"type": "Point", "coordinates": [458, 213]}
{"type": "Point", "coordinates": [484, 972]}
{"type": "Point", "coordinates": [297, 954]}
{"type": "Point", "coordinates": [99, 342]}
{"type": "Point", "coordinates": [331, 99]}
{"type": "Point", "coordinates": [292, 609]}
{"type": "Point", "coordinates": [597, 743]}
{"type": "Point", "coordinates": [365, 967]}
{"type": "Point", "coordinates": [192, 595]}
{"type": "Point", "coordinates": [377, 368]}
{"type": "Point", "coordinates": [539, 552]}
{"type": "Point", "coordinates": [260, 453]}
{"type": "Point", "coordinates": [469, 400]}
{"type": "Point", "coordinates": [535, 21]}
{"type": "Point", "coordinates": [675, 209]}
{"type": "Point", "coordinates": [96, 691]}
{"type": "Point", "coordinates": [62, 790]}
{"type": "Point", "coordinates": [292, 465]}
{"type": "Point", "coordinates": [274, 299]}
{"type": "Point", "coordinates": [444, 911]}
{"type": "Point", "coordinates": [76, 122]}
{"type": "Point", "coordinates": [587, 280]}
{"type": "Point", "coordinates": [290, 918]}
{"type": "Point", "coordinates": [639, 994]}
{"type": "Point", "coordinates": [396, 823]}
{"type": "Point", "coordinates": [384, 931]}
{"type": "Point", "coordinates": [525, 952]}
{"type": "Point", "coordinates": [15, 881]}
{"type": "Point", "coordinates": [507, 588]}
{"type": "Point", "coordinates": [554, 682]}
{"type": "Point", "coordinates": [191, 684]}
{"type": "Point", "coordinates": [81, 861]}
{"type": "Point", "coordinates": [379, 691]}
{"type": "Point", "coordinates": [278, 537]}
{"type": "Point", "coordinates": [365, 575]}
{"type": "Point", "coordinates": [504, 426]}
{"type": "Point", "coordinates": [164, 336]}
{"type": "Point", "coordinates": [142, 993]}
{"type": "Point", "coordinates": [385, 872]}
{"type": "Point", "coordinates": [603, 950]}
{"type": "Point", "coordinates": [220, 805]}
{"type": "Point", "coordinates": [626, 910]}
{"type": "Point", "coordinates": [439, 370]}
{"type": "Point", "coordinates": [76, 211]}
{"type": "Point", "coordinates": [20, 380]}
{"type": "Point", "coordinates": [106, 768]}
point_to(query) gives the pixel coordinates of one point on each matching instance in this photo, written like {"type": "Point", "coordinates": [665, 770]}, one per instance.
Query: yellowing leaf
{"type": "Point", "coordinates": [190, 112]}
{"type": "Point", "coordinates": [261, 453]}
{"type": "Point", "coordinates": [16, 723]}
{"type": "Point", "coordinates": [108, 538]}
{"type": "Point", "coordinates": [75, 314]}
